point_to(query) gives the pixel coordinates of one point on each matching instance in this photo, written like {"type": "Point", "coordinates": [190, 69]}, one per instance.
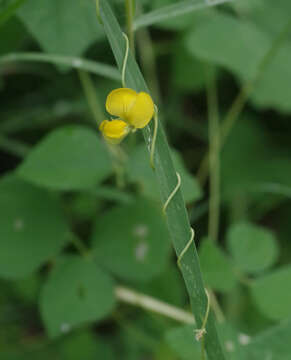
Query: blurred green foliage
{"type": "Point", "coordinates": [69, 235]}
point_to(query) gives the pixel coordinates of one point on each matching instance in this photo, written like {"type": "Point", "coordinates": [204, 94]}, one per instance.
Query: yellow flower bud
{"type": "Point", "coordinates": [114, 131]}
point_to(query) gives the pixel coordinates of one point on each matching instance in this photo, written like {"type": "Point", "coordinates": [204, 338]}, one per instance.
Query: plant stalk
{"type": "Point", "coordinates": [149, 303]}
{"type": "Point", "coordinates": [214, 154]}
{"type": "Point", "coordinates": [92, 99]}
{"type": "Point", "coordinates": [129, 11]}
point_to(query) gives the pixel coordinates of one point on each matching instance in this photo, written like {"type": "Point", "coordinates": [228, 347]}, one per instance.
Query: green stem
{"type": "Point", "coordinates": [129, 10]}
{"type": "Point", "coordinates": [80, 246]}
{"type": "Point", "coordinates": [242, 98]}
{"type": "Point", "coordinates": [176, 213]}
{"type": "Point", "coordinates": [214, 155]}
{"type": "Point", "coordinates": [74, 62]}
{"type": "Point", "coordinates": [154, 305]}
{"type": "Point", "coordinates": [112, 194]}
{"type": "Point", "coordinates": [216, 307]}
{"type": "Point", "coordinates": [91, 96]}
{"type": "Point", "coordinates": [147, 58]}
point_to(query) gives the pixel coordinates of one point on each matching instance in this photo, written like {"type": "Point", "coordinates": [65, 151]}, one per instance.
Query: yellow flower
{"type": "Point", "coordinates": [136, 109]}
{"type": "Point", "coordinates": [114, 131]}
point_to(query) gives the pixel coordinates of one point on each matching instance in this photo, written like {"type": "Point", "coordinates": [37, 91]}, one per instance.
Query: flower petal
{"type": "Point", "coordinates": [114, 131]}
{"type": "Point", "coordinates": [119, 101]}
{"type": "Point", "coordinates": [141, 112]}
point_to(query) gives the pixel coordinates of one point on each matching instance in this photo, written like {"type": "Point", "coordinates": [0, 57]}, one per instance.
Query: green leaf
{"type": "Point", "coordinates": [272, 90]}
{"type": "Point", "coordinates": [176, 213]}
{"type": "Point", "coordinates": [233, 342]}
{"type": "Point", "coordinates": [69, 158]}
{"type": "Point", "coordinates": [85, 345]}
{"type": "Point", "coordinates": [269, 16]}
{"type": "Point", "coordinates": [140, 171]}
{"type": "Point", "coordinates": [272, 293]}
{"type": "Point", "coordinates": [76, 292]}
{"type": "Point", "coordinates": [273, 343]}
{"type": "Point", "coordinates": [32, 227]}
{"type": "Point", "coordinates": [229, 42]}
{"type": "Point", "coordinates": [239, 46]}
{"type": "Point", "coordinates": [12, 36]}
{"type": "Point", "coordinates": [248, 7]}
{"type": "Point", "coordinates": [253, 248]}
{"type": "Point", "coordinates": [182, 341]}
{"type": "Point", "coordinates": [217, 269]}
{"type": "Point", "coordinates": [172, 11]}
{"type": "Point", "coordinates": [62, 26]}
{"type": "Point", "coordinates": [168, 287]}
{"type": "Point", "coordinates": [8, 10]}
{"type": "Point", "coordinates": [132, 241]}
{"type": "Point", "coordinates": [185, 77]}
{"type": "Point", "coordinates": [245, 171]}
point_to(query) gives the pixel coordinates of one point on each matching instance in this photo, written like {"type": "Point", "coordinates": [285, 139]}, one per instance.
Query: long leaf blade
{"type": "Point", "coordinates": [174, 10]}
{"type": "Point", "coordinates": [177, 218]}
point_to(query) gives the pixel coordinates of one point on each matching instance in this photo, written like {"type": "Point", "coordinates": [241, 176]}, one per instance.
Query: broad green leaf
{"type": "Point", "coordinates": [82, 345]}
{"type": "Point", "coordinates": [167, 286]}
{"type": "Point", "coordinates": [12, 36]}
{"type": "Point", "coordinates": [182, 341]}
{"type": "Point", "coordinates": [217, 269]}
{"type": "Point", "coordinates": [239, 46]}
{"type": "Point", "coordinates": [252, 247]}
{"type": "Point", "coordinates": [233, 342]}
{"type": "Point", "coordinates": [32, 227]}
{"type": "Point", "coordinates": [247, 7]}
{"type": "Point", "coordinates": [140, 171]}
{"type": "Point", "coordinates": [62, 26]}
{"type": "Point", "coordinates": [69, 158]}
{"type": "Point", "coordinates": [248, 159]}
{"type": "Point", "coordinates": [132, 241]}
{"type": "Point", "coordinates": [272, 90]}
{"type": "Point", "coordinates": [267, 14]}
{"type": "Point", "coordinates": [272, 293]}
{"type": "Point", "coordinates": [273, 343]}
{"type": "Point", "coordinates": [229, 42]}
{"type": "Point", "coordinates": [76, 292]}
{"type": "Point", "coordinates": [185, 77]}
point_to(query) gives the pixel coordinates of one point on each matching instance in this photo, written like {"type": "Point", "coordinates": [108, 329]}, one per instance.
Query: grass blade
{"type": "Point", "coordinates": [177, 218]}
{"type": "Point", "coordinates": [94, 67]}
{"type": "Point", "coordinates": [174, 10]}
